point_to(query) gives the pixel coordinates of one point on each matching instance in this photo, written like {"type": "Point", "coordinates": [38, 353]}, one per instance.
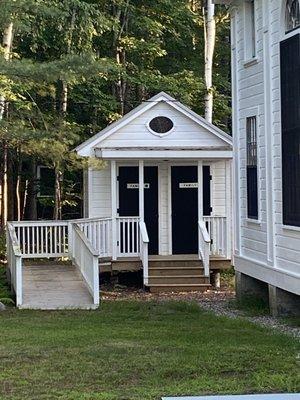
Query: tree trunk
{"type": "Point", "coordinates": [7, 45]}
{"type": "Point", "coordinates": [120, 88]}
{"type": "Point", "coordinates": [31, 203]}
{"type": "Point", "coordinates": [63, 99]}
{"type": "Point", "coordinates": [210, 39]}
{"type": "Point", "coordinates": [58, 194]}
{"type": "Point", "coordinates": [24, 199]}
{"type": "Point", "coordinates": [4, 186]}
{"type": "Point", "coordinates": [18, 187]}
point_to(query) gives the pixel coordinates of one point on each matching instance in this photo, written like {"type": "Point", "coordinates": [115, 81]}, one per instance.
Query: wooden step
{"type": "Point", "coordinates": [175, 263]}
{"type": "Point", "coordinates": [160, 288]}
{"type": "Point", "coordinates": [175, 271]}
{"type": "Point", "coordinates": [126, 264]}
{"type": "Point", "coordinates": [178, 280]}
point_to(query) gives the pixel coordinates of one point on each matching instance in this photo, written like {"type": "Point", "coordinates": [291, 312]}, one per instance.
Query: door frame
{"type": "Point", "coordinates": [146, 164]}
{"type": "Point", "coordinates": [183, 164]}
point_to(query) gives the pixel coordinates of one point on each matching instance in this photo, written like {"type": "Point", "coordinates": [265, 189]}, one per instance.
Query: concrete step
{"type": "Point", "coordinates": [164, 288]}
{"type": "Point", "coordinates": [178, 280]}
{"type": "Point", "coordinates": [175, 271]}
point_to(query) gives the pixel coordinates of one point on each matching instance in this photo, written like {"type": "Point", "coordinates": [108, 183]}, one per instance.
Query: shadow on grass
{"type": "Point", "coordinates": [251, 306]}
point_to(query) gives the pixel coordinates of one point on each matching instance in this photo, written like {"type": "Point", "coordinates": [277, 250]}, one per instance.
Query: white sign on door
{"type": "Point", "coordinates": [188, 185]}
{"type": "Point", "coordinates": [136, 186]}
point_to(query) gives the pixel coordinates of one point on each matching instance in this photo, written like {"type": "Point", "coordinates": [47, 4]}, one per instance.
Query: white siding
{"type": "Point", "coordinates": [218, 192]}
{"type": "Point", "coordinates": [257, 91]}
{"type": "Point", "coordinates": [99, 199]}
{"type": "Point", "coordinates": [186, 132]}
{"type": "Point", "coordinates": [100, 193]}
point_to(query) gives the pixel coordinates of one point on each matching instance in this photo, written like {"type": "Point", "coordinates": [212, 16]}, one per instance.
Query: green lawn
{"type": "Point", "coordinates": [140, 350]}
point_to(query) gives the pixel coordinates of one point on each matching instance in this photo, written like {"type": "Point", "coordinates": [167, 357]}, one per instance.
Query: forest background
{"type": "Point", "coordinates": [70, 67]}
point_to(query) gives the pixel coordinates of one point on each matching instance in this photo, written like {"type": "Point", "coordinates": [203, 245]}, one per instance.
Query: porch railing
{"type": "Point", "coordinates": [85, 257]}
{"type": "Point", "coordinates": [38, 239]}
{"type": "Point", "coordinates": [144, 240]}
{"type": "Point", "coordinates": [217, 230]}
{"type": "Point", "coordinates": [99, 233]}
{"type": "Point", "coordinates": [204, 243]}
{"type": "Point", "coordinates": [14, 258]}
{"type": "Point", "coordinates": [128, 236]}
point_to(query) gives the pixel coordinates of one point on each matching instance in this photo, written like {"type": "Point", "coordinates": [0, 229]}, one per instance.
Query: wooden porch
{"type": "Point", "coordinates": [88, 244]}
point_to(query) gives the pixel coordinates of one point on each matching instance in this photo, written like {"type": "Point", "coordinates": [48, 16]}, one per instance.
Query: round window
{"type": "Point", "coordinates": [161, 125]}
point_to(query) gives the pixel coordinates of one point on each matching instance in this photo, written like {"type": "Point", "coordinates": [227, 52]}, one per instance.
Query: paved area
{"type": "Point", "coordinates": [50, 287]}
{"type": "Point", "coordinates": [294, 396]}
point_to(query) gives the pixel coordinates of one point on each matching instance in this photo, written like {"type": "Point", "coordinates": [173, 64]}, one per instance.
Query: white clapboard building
{"type": "Point", "coordinates": [170, 169]}
{"type": "Point", "coordinates": [161, 205]}
{"type": "Point", "coordinates": [266, 131]}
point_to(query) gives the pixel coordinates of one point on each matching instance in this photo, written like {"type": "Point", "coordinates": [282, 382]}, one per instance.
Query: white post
{"type": "Point", "coordinates": [141, 190]}
{"type": "Point", "coordinates": [229, 240]}
{"type": "Point", "coordinates": [18, 280]}
{"type": "Point", "coordinates": [96, 280]}
{"type": "Point", "coordinates": [200, 190]}
{"type": "Point", "coordinates": [70, 240]}
{"type": "Point", "coordinates": [113, 172]}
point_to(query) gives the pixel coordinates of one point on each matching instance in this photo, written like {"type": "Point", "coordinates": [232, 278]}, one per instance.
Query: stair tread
{"type": "Point", "coordinates": [180, 267]}
{"type": "Point", "coordinates": [179, 284]}
{"type": "Point", "coordinates": [177, 276]}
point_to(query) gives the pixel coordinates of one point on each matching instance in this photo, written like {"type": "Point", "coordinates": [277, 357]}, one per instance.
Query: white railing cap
{"type": "Point", "coordinates": [14, 240]}
{"type": "Point", "coordinates": [204, 231]}
{"type": "Point", "coordinates": [82, 236]}
{"type": "Point", "coordinates": [144, 233]}
{"type": "Point", "coordinates": [39, 223]}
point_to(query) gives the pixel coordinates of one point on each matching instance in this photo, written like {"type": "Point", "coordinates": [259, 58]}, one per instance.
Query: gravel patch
{"type": "Point", "coordinates": [222, 308]}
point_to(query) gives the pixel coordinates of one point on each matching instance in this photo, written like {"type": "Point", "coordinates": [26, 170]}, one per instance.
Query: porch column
{"type": "Point", "coordinates": [113, 173]}
{"type": "Point", "coordinates": [200, 190]}
{"type": "Point", "coordinates": [228, 194]}
{"type": "Point", "coordinates": [141, 189]}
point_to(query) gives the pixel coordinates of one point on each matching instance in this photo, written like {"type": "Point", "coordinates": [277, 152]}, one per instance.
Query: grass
{"type": "Point", "coordinates": [140, 350]}
{"type": "Point", "coordinates": [251, 305]}
{"type": "Point", "coordinates": [5, 293]}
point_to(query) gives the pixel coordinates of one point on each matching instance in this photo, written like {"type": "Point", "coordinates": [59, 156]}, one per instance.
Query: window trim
{"type": "Point", "coordinates": [286, 226]}
{"type": "Point", "coordinates": [249, 118]}
{"type": "Point", "coordinates": [161, 135]}
{"type": "Point", "coordinates": [287, 31]}
{"type": "Point", "coordinates": [250, 31]}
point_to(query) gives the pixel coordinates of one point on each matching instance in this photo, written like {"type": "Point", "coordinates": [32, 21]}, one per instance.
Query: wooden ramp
{"type": "Point", "coordinates": [53, 287]}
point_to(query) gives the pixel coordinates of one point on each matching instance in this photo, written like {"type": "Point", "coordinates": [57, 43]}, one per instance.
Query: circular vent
{"type": "Point", "coordinates": [161, 125]}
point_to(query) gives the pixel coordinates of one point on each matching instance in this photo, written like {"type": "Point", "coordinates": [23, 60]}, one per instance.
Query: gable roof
{"type": "Point", "coordinates": [85, 148]}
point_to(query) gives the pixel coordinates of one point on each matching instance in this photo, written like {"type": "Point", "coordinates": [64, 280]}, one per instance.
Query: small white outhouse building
{"type": "Point", "coordinates": [160, 205]}
{"type": "Point", "coordinates": [165, 166]}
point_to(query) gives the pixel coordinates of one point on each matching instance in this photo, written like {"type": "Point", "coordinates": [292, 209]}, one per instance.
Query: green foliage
{"type": "Point", "coordinates": [251, 305]}
{"type": "Point", "coordinates": [78, 65]}
{"type": "Point", "coordinates": [140, 351]}
{"type": "Point", "coordinates": [228, 278]}
{"type": "Point", "coordinates": [5, 293]}
{"type": "Point", "coordinates": [2, 247]}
